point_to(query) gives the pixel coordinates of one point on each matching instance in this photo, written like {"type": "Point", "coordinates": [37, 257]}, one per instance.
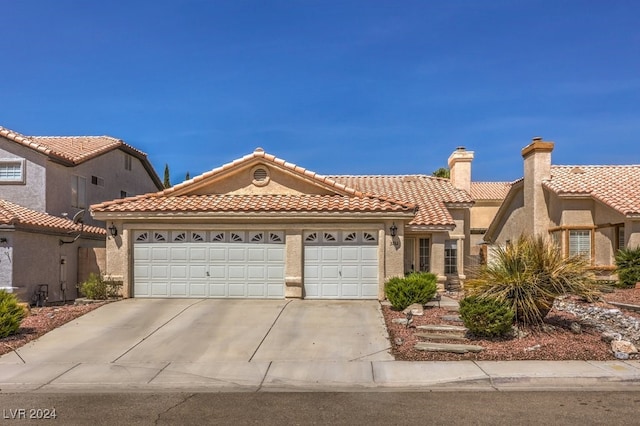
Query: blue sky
{"type": "Point", "coordinates": [338, 87]}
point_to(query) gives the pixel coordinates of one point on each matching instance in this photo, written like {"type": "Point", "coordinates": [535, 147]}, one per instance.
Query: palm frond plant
{"type": "Point", "coordinates": [529, 274]}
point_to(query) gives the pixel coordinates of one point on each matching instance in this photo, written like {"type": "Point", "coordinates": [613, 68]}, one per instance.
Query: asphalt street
{"type": "Point", "coordinates": [435, 408]}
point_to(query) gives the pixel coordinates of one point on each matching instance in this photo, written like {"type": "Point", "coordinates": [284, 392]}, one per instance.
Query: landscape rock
{"type": "Point", "coordinates": [447, 347]}
{"type": "Point", "coordinates": [415, 309]}
{"type": "Point", "coordinates": [623, 346]}
{"type": "Point", "coordinates": [576, 328]}
{"type": "Point", "coordinates": [604, 320]}
{"type": "Point", "coordinates": [532, 348]}
{"type": "Point", "coordinates": [402, 321]}
{"type": "Point", "coordinates": [452, 318]}
{"type": "Point", "coordinates": [398, 341]}
{"type": "Point", "coordinates": [621, 356]}
{"type": "Point", "coordinates": [609, 336]}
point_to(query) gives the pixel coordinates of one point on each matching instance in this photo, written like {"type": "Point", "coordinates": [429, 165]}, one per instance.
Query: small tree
{"type": "Point", "coordinates": [628, 266]}
{"type": "Point", "coordinates": [11, 314]}
{"type": "Point", "coordinates": [167, 179]}
{"type": "Point", "coordinates": [442, 172]}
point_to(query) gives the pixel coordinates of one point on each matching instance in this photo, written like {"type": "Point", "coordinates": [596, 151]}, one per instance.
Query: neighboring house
{"type": "Point", "coordinates": [261, 227]}
{"type": "Point", "coordinates": [33, 262]}
{"type": "Point", "coordinates": [48, 178]}
{"type": "Point", "coordinates": [588, 210]}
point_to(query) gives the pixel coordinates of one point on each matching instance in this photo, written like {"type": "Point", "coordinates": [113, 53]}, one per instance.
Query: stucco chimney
{"type": "Point", "coordinates": [460, 168]}
{"type": "Point", "coordinates": [537, 167]}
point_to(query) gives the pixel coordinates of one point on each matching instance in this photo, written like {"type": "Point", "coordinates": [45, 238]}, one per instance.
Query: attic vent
{"type": "Point", "coordinates": [260, 176]}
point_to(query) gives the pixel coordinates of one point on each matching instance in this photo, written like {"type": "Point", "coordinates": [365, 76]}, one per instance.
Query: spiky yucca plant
{"type": "Point", "coordinates": [529, 274]}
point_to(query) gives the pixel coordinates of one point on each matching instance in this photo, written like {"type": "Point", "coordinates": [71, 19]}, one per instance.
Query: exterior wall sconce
{"type": "Point", "coordinates": [113, 230]}
{"type": "Point", "coordinates": [393, 230]}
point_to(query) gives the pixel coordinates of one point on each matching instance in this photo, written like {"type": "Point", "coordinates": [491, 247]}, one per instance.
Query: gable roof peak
{"type": "Point", "coordinates": [258, 149]}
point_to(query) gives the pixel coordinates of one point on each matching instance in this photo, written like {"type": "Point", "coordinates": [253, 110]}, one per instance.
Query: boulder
{"type": "Point", "coordinates": [623, 346]}
{"type": "Point", "coordinates": [415, 309]}
{"type": "Point", "coordinates": [609, 336]}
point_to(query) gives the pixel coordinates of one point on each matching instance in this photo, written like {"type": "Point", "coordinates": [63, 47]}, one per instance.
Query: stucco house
{"type": "Point", "coordinates": [264, 228]}
{"type": "Point", "coordinates": [44, 182]}
{"type": "Point", "coordinates": [590, 210]}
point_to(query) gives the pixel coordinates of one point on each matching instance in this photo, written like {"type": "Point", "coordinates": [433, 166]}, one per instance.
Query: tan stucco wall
{"type": "Point", "coordinates": [240, 182]}
{"type": "Point", "coordinates": [512, 223]}
{"type": "Point", "coordinates": [110, 167]}
{"type": "Point", "coordinates": [36, 260]}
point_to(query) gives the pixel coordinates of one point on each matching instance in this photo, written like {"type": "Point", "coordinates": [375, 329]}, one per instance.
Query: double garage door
{"type": "Point", "coordinates": [251, 264]}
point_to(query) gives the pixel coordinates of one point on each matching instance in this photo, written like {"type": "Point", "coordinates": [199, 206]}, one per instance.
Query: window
{"type": "Point", "coordinates": [450, 257]}
{"type": "Point", "coordinates": [78, 192]}
{"type": "Point", "coordinates": [620, 234]}
{"type": "Point", "coordinates": [95, 180]}
{"type": "Point", "coordinates": [123, 194]}
{"type": "Point", "coordinates": [424, 252]}
{"type": "Point", "coordinates": [11, 171]}
{"type": "Point", "coordinates": [580, 243]}
{"type": "Point", "coordinates": [127, 162]}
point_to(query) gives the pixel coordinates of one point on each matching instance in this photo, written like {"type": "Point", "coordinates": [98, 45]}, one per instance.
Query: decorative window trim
{"type": "Point", "coordinates": [256, 237]}
{"type": "Point", "coordinates": [178, 236]}
{"type": "Point", "coordinates": [260, 175]}
{"type": "Point", "coordinates": [276, 237]}
{"type": "Point", "coordinates": [198, 237]}
{"type": "Point", "coordinates": [236, 237]}
{"type": "Point", "coordinates": [217, 237]}
{"type": "Point", "coordinates": [5, 179]}
{"type": "Point", "coordinates": [141, 236]}
{"type": "Point", "coordinates": [369, 237]}
{"type": "Point", "coordinates": [349, 237]}
{"type": "Point", "coordinates": [160, 236]}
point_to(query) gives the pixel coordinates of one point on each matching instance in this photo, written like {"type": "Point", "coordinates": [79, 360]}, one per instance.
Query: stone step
{"type": "Point", "coordinates": [443, 328]}
{"type": "Point", "coordinates": [447, 347]}
{"type": "Point", "coordinates": [453, 318]}
{"type": "Point", "coordinates": [440, 336]}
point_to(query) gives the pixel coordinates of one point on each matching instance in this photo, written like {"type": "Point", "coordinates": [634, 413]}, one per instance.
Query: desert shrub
{"type": "Point", "coordinates": [417, 287]}
{"type": "Point", "coordinates": [486, 316]}
{"type": "Point", "coordinates": [11, 314]}
{"type": "Point", "coordinates": [529, 274]}
{"type": "Point", "coordinates": [99, 288]}
{"type": "Point", "coordinates": [628, 266]}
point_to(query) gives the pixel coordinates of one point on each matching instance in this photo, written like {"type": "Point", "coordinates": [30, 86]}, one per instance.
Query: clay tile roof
{"type": "Point", "coordinates": [615, 186]}
{"type": "Point", "coordinates": [15, 215]}
{"type": "Point", "coordinates": [73, 150]}
{"type": "Point", "coordinates": [430, 194]}
{"type": "Point", "coordinates": [489, 190]}
{"type": "Point", "coordinates": [221, 203]}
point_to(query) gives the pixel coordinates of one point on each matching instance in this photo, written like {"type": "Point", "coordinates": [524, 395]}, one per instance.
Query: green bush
{"type": "Point", "coordinates": [529, 274]}
{"type": "Point", "coordinates": [11, 314]}
{"type": "Point", "coordinates": [486, 316]}
{"type": "Point", "coordinates": [417, 287]}
{"type": "Point", "coordinates": [99, 288]}
{"type": "Point", "coordinates": [628, 266]}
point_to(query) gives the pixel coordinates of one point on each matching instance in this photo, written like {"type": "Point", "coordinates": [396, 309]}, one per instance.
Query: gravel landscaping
{"type": "Point", "coordinates": [556, 342]}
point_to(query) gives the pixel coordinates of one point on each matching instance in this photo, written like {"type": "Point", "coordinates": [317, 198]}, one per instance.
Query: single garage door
{"type": "Point", "coordinates": [200, 264]}
{"type": "Point", "coordinates": [341, 265]}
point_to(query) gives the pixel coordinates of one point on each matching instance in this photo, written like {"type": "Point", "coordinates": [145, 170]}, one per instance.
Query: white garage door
{"type": "Point", "coordinates": [203, 264]}
{"type": "Point", "coordinates": [341, 265]}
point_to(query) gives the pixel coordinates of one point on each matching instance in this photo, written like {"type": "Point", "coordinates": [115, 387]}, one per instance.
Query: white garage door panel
{"type": "Point", "coordinates": [348, 271]}
{"type": "Point", "coordinates": [183, 269]}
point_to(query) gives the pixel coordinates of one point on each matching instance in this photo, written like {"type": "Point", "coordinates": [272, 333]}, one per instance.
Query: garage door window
{"type": "Point", "coordinates": [340, 237]}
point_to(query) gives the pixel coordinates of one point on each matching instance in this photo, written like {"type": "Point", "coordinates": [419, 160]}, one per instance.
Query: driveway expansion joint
{"type": "Point", "coordinates": [157, 329]}
{"type": "Point", "coordinates": [269, 331]}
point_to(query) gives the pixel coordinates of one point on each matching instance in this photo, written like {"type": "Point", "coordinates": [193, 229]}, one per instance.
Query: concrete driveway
{"type": "Point", "coordinates": [214, 330]}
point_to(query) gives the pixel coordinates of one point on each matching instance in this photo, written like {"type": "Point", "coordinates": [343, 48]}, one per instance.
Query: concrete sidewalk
{"type": "Point", "coordinates": [296, 376]}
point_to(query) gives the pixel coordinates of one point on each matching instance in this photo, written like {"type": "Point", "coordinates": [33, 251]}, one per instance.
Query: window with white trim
{"type": "Point", "coordinates": [580, 243]}
{"type": "Point", "coordinates": [424, 254]}
{"type": "Point", "coordinates": [12, 171]}
{"type": "Point", "coordinates": [450, 257]}
{"type": "Point", "coordinates": [78, 192]}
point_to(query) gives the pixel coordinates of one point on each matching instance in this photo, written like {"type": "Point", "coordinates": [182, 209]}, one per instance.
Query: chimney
{"type": "Point", "coordinates": [460, 168]}
{"type": "Point", "coordinates": [537, 167]}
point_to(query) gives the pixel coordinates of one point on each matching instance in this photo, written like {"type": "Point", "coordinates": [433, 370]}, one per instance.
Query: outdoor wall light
{"type": "Point", "coordinates": [393, 230]}
{"type": "Point", "coordinates": [113, 230]}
